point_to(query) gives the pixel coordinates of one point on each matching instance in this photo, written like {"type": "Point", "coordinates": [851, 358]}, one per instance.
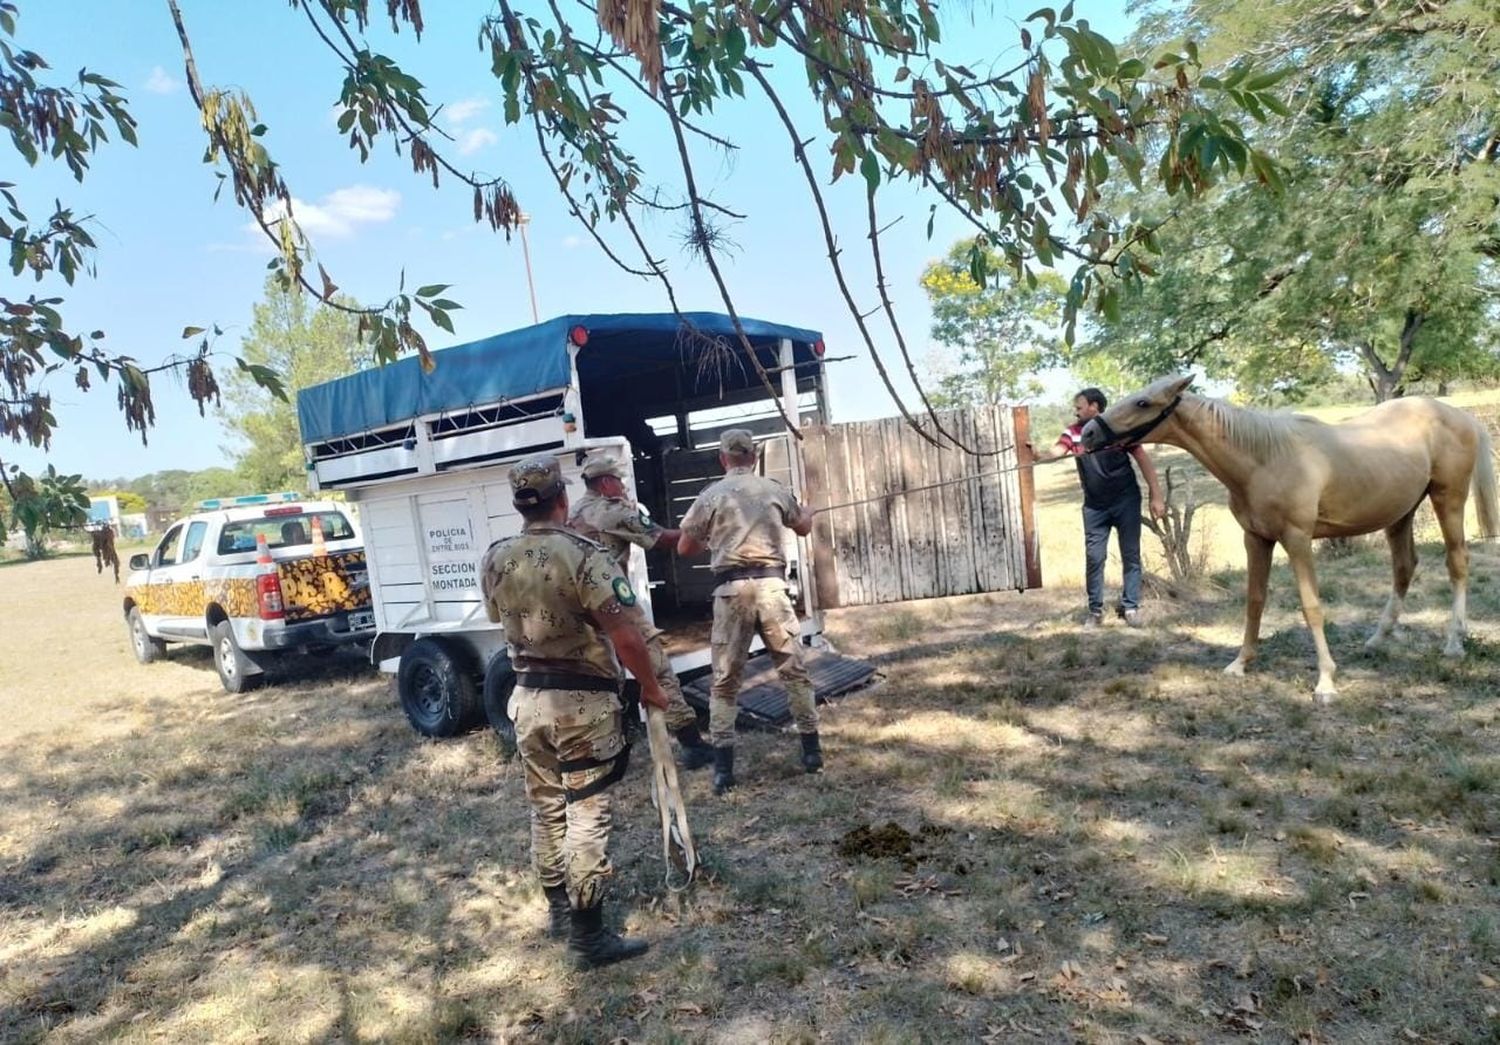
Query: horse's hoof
{"type": "Point", "coordinates": [1236, 669]}
{"type": "Point", "coordinates": [1454, 651]}
{"type": "Point", "coordinates": [1374, 642]}
{"type": "Point", "coordinates": [1324, 697]}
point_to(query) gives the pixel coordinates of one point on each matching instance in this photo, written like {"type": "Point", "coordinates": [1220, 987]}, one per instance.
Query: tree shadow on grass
{"type": "Point", "coordinates": [1119, 842]}
{"type": "Point", "coordinates": [278, 851]}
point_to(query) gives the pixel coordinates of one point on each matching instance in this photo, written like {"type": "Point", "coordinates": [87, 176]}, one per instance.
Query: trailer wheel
{"type": "Point", "coordinates": [437, 689]}
{"type": "Point", "coordinates": [499, 682]}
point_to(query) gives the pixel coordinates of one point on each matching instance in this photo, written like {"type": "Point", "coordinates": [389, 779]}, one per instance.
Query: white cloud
{"type": "Point", "coordinates": [462, 111]}
{"type": "Point", "coordinates": [161, 82]}
{"type": "Point", "coordinates": [571, 241]}
{"type": "Point", "coordinates": [477, 139]}
{"type": "Point", "coordinates": [339, 213]}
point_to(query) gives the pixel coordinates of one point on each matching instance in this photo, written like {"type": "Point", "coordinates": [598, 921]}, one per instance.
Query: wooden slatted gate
{"type": "Point", "coordinates": [967, 537]}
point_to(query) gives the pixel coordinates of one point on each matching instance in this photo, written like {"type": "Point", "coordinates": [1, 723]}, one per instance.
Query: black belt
{"type": "Point", "coordinates": [566, 680]}
{"type": "Point", "coordinates": [617, 767]}
{"type": "Point", "coordinates": [745, 573]}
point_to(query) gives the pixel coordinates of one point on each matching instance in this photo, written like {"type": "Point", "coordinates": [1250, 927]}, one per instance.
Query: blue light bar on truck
{"type": "Point", "coordinates": [215, 503]}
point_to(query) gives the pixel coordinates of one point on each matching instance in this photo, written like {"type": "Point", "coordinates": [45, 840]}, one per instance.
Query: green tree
{"type": "Point", "coordinates": [1379, 256]}
{"type": "Point", "coordinates": [130, 502]}
{"type": "Point", "coordinates": [205, 484]}
{"type": "Point", "coordinates": [306, 343]}
{"type": "Point", "coordinates": [42, 504]}
{"type": "Point", "coordinates": [1000, 333]}
{"type": "Point", "coordinates": [1022, 153]}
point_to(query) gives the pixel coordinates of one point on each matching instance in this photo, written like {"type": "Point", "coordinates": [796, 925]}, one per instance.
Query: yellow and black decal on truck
{"type": "Point", "coordinates": [177, 599]}
{"type": "Point", "coordinates": [323, 584]}
{"type": "Point", "coordinates": [311, 587]}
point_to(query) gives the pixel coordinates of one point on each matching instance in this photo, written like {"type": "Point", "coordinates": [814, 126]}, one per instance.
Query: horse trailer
{"type": "Point", "coordinates": [425, 455]}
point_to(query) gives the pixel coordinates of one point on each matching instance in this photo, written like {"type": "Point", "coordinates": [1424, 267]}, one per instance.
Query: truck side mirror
{"type": "Point", "coordinates": [140, 561]}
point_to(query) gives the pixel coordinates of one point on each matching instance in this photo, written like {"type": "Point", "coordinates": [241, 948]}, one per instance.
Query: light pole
{"type": "Point", "coordinates": [523, 221]}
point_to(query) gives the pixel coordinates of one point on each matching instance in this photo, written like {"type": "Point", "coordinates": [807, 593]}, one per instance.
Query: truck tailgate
{"type": "Point", "coordinates": [317, 585]}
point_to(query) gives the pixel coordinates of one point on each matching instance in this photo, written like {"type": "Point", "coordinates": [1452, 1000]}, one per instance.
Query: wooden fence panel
{"type": "Point", "coordinates": [975, 533]}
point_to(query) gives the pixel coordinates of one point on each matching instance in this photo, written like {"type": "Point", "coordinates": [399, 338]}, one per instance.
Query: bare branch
{"type": "Point", "coordinates": [833, 253]}
{"type": "Point", "coordinates": [890, 315]}
{"type": "Point", "coordinates": [713, 264]}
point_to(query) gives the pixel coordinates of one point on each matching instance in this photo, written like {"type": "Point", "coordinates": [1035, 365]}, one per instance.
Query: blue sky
{"type": "Point", "coordinates": [169, 256]}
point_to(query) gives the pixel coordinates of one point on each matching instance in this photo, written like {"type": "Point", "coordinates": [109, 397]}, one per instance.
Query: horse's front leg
{"type": "Point", "coordinates": [1299, 550]}
{"type": "Point", "coordinates": [1257, 577]}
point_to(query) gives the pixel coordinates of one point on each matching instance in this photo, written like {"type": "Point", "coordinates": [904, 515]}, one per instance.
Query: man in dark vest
{"type": "Point", "coordinates": [1111, 500]}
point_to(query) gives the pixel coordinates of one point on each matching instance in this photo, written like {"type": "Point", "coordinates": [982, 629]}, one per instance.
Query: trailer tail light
{"type": "Point", "coordinates": [579, 336]}
{"type": "Point", "coordinates": [268, 597]}
{"type": "Point", "coordinates": [819, 348]}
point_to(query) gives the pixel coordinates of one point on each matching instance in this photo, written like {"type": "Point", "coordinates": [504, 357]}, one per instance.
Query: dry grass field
{"type": "Point", "coordinates": [1025, 833]}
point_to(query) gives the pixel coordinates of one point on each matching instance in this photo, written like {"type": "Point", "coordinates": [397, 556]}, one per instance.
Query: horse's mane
{"type": "Point", "coordinates": [1263, 436]}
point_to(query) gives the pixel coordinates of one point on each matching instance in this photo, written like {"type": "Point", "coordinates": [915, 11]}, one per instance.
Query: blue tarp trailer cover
{"type": "Point", "coordinates": [620, 348]}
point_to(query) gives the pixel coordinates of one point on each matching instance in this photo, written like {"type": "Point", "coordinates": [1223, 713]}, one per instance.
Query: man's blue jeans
{"type": "Point", "coordinates": [1125, 519]}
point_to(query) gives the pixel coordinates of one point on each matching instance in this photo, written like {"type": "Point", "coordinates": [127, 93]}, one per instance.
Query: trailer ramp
{"type": "Point", "coordinates": [763, 702]}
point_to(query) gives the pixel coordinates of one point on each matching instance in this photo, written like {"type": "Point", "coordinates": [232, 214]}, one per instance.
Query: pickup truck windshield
{"type": "Point", "coordinates": [283, 531]}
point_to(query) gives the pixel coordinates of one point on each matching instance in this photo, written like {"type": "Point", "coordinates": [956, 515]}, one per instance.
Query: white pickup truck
{"type": "Point", "coordinates": [253, 577]}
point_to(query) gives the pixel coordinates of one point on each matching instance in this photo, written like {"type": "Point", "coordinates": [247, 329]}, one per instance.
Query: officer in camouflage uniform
{"type": "Point", "coordinates": [606, 515]}
{"type": "Point", "coordinates": [568, 612]}
{"type": "Point", "coordinates": [740, 520]}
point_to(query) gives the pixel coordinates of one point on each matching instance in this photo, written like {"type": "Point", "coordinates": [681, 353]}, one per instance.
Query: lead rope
{"type": "Point", "coordinates": [678, 851]}
{"type": "Point", "coordinates": [946, 482]}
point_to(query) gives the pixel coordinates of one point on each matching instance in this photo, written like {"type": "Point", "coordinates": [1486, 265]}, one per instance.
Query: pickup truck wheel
{"type": "Point", "coordinates": [237, 672]}
{"type": "Point", "coordinates": [146, 648]}
{"type": "Point", "coordinates": [499, 682]}
{"type": "Point", "coordinates": [437, 690]}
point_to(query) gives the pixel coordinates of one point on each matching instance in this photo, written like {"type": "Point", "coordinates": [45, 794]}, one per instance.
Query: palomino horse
{"type": "Point", "coordinates": [1292, 478]}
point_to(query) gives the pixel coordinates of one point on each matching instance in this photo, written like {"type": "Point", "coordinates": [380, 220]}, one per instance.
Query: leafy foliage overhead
{"type": "Point", "coordinates": [1022, 149]}
{"type": "Point", "coordinates": [1380, 255]}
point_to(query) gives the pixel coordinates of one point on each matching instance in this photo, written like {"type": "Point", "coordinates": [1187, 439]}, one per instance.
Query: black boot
{"type": "Point", "coordinates": [723, 769]}
{"type": "Point", "coordinates": [812, 754]}
{"type": "Point", "coordinates": [696, 752]}
{"type": "Point", "coordinates": [558, 910]}
{"type": "Point", "coordinates": [592, 945]}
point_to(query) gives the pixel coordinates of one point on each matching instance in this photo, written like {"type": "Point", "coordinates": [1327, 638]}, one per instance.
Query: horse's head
{"type": "Point", "coordinates": [1137, 417]}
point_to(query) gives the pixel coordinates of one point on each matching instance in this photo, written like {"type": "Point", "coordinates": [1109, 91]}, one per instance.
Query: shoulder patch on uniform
{"type": "Point", "coordinates": [645, 519]}
{"type": "Point", "coordinates": [623, 592]}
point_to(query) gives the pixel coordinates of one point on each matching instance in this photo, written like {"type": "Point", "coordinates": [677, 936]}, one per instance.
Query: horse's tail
{"type": "Point", "coordinates": [1486, 499]}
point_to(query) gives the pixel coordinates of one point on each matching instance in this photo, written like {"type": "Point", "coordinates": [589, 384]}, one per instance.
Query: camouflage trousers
{"type": "Point", "coordinates": [569, 838]}
{"type": "Point", "coordinates": [679, 714]}
{"type": "Point", "coordinates": [741, 610]}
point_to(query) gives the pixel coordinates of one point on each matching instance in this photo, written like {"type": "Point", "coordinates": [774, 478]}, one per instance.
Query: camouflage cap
{"type": "Point", "coordinates": [535, 480]}
{"type": "Point", "coordinates": [601, 466]}
{"type": "Point", "coordinates": [737, 441]}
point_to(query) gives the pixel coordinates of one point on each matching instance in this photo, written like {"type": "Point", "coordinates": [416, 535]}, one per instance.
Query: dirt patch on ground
{"type": "Point", "coordinates": [890, 840]}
